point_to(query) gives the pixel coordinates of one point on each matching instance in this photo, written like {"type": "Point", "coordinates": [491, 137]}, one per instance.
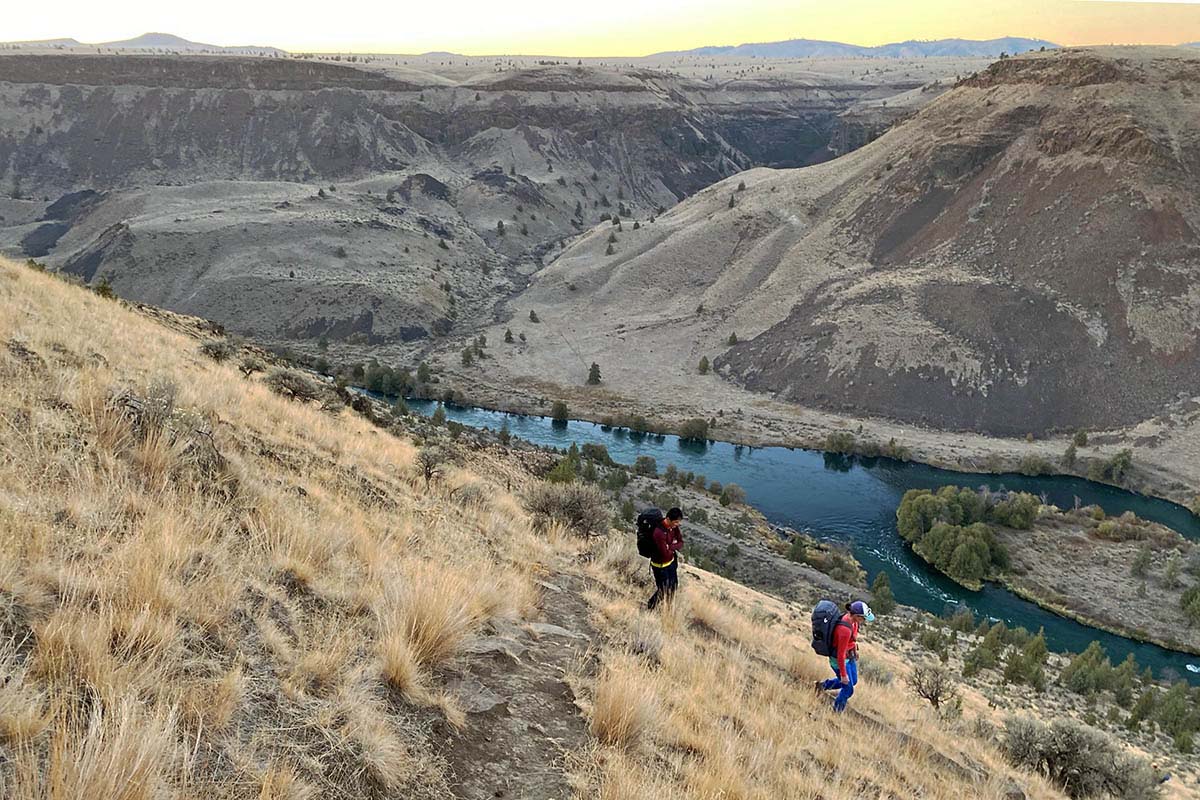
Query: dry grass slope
{"type": "Point", "coordinates": [209, 591]}
{"type": "Point", "coordinates": [206, 590]}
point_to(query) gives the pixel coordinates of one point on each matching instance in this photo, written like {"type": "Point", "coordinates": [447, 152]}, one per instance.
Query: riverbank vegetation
{"type": "Point", "coordinates": [1121, 574]}
{"type": "Point", "coordinates": [949, 529]}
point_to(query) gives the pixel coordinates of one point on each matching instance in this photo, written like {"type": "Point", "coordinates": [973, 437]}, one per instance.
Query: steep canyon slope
{"type": "Point", "coordinates": [208, 590]}
{"type": "Point", "coordinates": [1019, 257]}
{"type": "Point", "coordinates": [295, 199]}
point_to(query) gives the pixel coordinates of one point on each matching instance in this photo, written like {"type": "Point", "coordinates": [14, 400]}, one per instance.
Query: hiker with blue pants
{"type": "Point", "coordinates": [844, 658]}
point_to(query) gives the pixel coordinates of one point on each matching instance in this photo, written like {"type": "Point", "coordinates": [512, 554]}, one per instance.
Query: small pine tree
{"type": "Point", "coordinates": [533, 317]}
{"type": "Point", "coordinates": [1172, 571]}
{"type": "Point", "coordinates": [467, 357]}
{"type": "Point", "coordinates": [609, 250]}
{"type": "Point", "coordinates": [741, 186]}
{"type": "Point", "coordinates": [104, 289]}
{"type": "Point", "coordinates": [731, 203]}
{"type": "Point", "coordinates": [1035, 649]}
{"type": "Point", "coordinates": [559, 411]}
{"type": "Point", "coordinates": [1069, 456]}
{"type": "Point", "coordinates": [612, 237]}
{"type": "Point", "coordinates": [439, 415]}
{"type": "Point", "coordinates": [732, 339]}
{"type": "Point", "coordinates": [593, 377]}
{"type": "Point", "coordinates": [500, 227]}
{"type": "Point", "coordinates": [1141, 562]}
{"type": "Point", "coordinates": [881, 594]}
{"type": "Point", "coordinates": [1081, 438]}
{"type": "Point", "coordinates": [508, 336]}
{"type": "Point", "coordinates": [703, 365]}
{"type": "Point", "coordinates": [563, 472]}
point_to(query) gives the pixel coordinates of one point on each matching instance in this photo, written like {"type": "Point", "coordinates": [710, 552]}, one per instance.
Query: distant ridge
{"type": "Point", "coordinates": [153, 41]}
{"type": "Point", "coordinates": [813, 48]}
{"type": "Point", "coordinates": [43, 43]}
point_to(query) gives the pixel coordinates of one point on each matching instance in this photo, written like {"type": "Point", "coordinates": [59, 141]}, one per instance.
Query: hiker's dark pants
{"type": "Point", "coordinates": [666, 579]}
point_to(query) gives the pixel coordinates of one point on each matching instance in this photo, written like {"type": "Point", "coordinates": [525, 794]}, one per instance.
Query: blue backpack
{"type": "Point", "coordinates": [826, 616]}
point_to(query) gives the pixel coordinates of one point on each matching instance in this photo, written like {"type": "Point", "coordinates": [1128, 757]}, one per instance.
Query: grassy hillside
{"type": "Point", "coordinates": [207, 590]}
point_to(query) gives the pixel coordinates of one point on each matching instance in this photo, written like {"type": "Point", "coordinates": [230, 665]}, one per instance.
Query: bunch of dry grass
{"type": "Point", "coordinates": [625, 709]}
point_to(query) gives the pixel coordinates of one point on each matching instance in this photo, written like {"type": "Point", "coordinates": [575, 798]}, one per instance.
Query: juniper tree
{"type": "Point", "coordinates": [593, 377]}
{"type": "Point", "coordinates": [1141, 562]}
{"type": "Point", "coordinates": [881, 594]}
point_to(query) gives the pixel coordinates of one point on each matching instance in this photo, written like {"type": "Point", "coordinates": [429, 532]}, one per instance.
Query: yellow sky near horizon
{"type": "Point", "coordinates": [570, 27]}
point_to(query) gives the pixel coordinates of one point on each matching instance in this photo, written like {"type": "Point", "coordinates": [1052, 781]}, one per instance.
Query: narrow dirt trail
{"type": "Point", "coordinates": [522, 718]}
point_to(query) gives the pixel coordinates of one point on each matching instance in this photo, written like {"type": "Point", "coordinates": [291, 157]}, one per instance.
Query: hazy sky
{"type": "Point", "coordinates": [580, 27]}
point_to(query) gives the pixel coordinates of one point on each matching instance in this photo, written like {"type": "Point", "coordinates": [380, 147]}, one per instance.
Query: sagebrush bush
{"type": "Point", "coordinates": [578, 507]}
{"type": "Point", "coordinates": [219, 350]}
{"type": "Point", "coordinates": [1081, 760]}
{"type": "Point", "coordinates": [295, 385]}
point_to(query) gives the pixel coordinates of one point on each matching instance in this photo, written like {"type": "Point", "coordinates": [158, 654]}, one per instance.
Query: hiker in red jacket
{"type": "Point", "coordinates": [668, 540]}
{"type": "Point", "coordinates": [845, 658]}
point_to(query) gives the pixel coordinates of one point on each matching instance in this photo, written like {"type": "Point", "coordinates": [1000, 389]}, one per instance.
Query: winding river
{"type": "Point", "coordinates": [854, 500]}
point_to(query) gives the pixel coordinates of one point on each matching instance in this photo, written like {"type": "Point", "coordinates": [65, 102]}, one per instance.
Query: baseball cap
{"type": "Point", "coordinates": [863, 610]}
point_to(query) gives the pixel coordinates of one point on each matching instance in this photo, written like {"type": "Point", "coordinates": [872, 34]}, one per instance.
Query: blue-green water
{"type": "Point", "coordinates": [853, 501]}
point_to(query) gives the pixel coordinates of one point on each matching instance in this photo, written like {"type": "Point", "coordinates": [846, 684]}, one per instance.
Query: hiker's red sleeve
{"type": "Point", "coordinates": [842, 639]}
